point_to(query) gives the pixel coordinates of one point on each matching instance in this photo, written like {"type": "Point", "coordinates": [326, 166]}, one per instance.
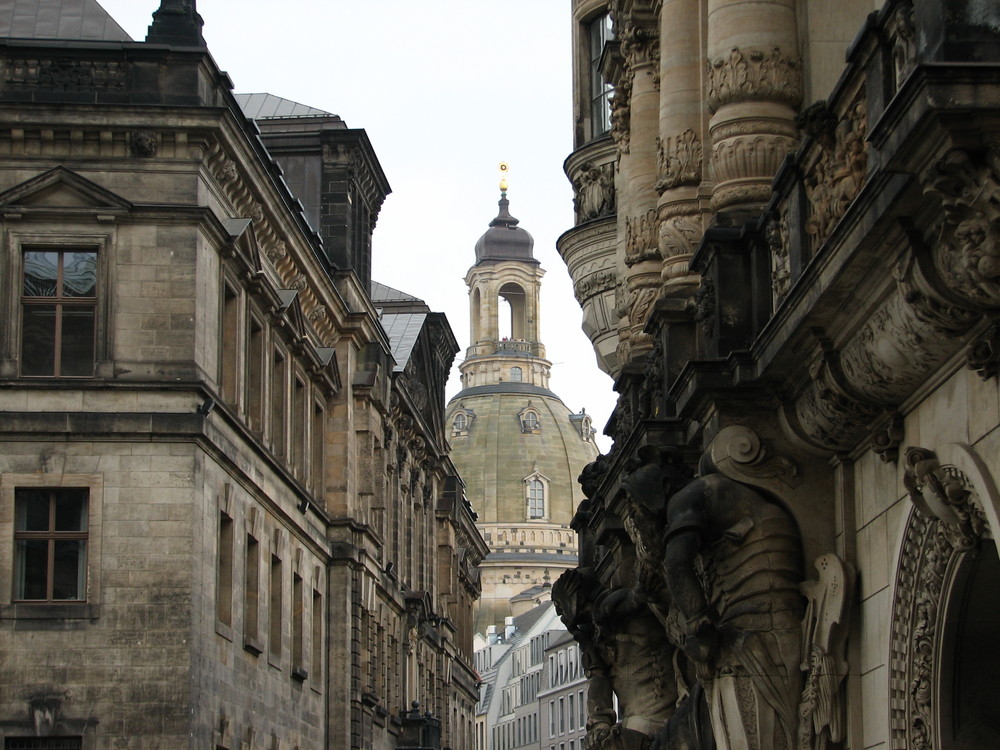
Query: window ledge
{"type": "Point", "coordinates": [252, 645]}
{"type": "Point", "coordinates": [300, 673]}
{"type": "Point", "coordinates": [31, 611]}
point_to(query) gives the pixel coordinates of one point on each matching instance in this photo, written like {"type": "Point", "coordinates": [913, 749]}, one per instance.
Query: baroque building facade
{"type": "Point", "coordinates": [785, 255]}
{"type": "Point", "coordinates": [518, 448]}
{"type": "Point", "coordinates": [228, 517]}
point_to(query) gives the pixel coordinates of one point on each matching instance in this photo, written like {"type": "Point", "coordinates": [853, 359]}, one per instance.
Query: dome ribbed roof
{"type": "Point", "coordinates": [504, 240]}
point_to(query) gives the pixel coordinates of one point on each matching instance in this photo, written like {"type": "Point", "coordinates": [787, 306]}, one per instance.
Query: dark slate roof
{"type": "Point", "coordinates": [269, 106]}
{"type": "Point", "coordinates": [59, 19]}
{"type": "Point", "coordinates": [506, 387]}
{"type": "Point", "coordinates": [505, 240]}
{"type": "Point", "coordinates": [402, 330]}
{"type": "Point", "coordinates": [385, 293]}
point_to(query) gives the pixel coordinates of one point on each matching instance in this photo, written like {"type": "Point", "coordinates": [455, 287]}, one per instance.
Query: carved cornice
{"type": "Point", "coordinates": [754, 75]}
{"type": "Point", "coordinates": [679, 160]}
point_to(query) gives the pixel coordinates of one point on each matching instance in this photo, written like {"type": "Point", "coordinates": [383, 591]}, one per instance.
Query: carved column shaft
{"type": "Point", "coordinates": [637, 174]}
{"type": "Point", "coordinates": [682, 133]}
{"type": "Point", "coordinates": [754, 87]}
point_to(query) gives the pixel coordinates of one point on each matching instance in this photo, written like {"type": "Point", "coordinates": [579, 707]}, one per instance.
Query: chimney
{"type": "Point", "coordinates": [508, 628]}
{"type": "Point", "coordinates": [491, 634]}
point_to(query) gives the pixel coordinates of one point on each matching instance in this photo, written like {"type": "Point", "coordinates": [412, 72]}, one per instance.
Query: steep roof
{"type": "Point", "coordinates": [403, 330]}
{"type": "Point", "coordinates": [269, 106]}
{"type": "Point", "coordinates": [59, 19]}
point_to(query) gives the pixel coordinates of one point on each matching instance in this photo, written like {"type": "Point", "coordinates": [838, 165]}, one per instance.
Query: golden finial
{"type": "Point", "coordinates": [504, 169]}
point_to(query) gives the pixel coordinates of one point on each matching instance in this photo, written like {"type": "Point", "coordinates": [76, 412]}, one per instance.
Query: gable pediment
{"type": "Point", "coordinates": [62, 189]}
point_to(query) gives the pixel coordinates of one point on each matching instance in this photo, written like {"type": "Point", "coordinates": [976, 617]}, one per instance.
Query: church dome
{"type": "Point", "coordinates": [504, 240]}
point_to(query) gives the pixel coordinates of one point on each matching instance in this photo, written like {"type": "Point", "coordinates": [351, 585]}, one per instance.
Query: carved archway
{"type": "Point", "coordinates": [955, 502]}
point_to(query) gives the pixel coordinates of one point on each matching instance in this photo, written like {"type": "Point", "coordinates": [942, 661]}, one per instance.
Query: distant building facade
{"type": "Point", "coordinates": [228, 517]}
{"type": "Point", "coordinates": [518, 448]}
{"type": "Point", "coordinates": [785, 251]}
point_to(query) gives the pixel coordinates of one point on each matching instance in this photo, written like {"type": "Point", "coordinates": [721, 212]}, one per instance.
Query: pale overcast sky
{"type": "Point", "coordinates": [446, 89]}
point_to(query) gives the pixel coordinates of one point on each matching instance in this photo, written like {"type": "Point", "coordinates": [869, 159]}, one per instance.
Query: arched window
{"type": "Point", "coordinates": [529, 420]}
{"type": "Point", "coordinates": [516, 374]}
{"type": "Point", "coordinates": [461, 422]}
{"type": "Point", "coordinates": [536, 499]}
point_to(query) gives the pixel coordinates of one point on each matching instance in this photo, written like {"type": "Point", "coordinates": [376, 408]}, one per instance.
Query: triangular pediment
{"type": "Point", "coordinates": [61, 188]}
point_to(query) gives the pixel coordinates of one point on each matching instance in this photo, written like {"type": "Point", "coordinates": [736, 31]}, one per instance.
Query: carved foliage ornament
{"type": "Point", "coordinates": [947, 522]}
{"type": "Point", "coordinates": [679, 234]}
{"type": "Point", "coordinates": [642, 238]}
{"type": "Point", "coordinates": [621, 113]}
{"type": "Point", "coordinates": [776, 234]}
{"type": "Point", "coordinates": [679, 158]}
{"type": "Point", "coordinates": [967, 246]}
{"type": "Point", "coordinates": [754, 75]}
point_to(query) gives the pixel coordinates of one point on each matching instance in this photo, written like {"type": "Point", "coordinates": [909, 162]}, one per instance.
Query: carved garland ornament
{"type": "Point", "coordinates": [947, 521]}
{"type": "Point", "coordinates": [754, 75]}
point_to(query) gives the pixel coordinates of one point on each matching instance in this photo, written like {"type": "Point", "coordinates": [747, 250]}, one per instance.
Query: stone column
{"type": "Point", "coordinates": [680, 155]}
{"type": "Point", "coordinates": [754, 88]}
{"type": "Point", "coordinates": [636, 30]}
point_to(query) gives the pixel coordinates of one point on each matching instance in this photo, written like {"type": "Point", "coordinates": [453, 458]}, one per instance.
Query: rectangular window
{"type": "Point", "coordinates": [572, 711]}
{"type": "Point", "coordinates": [50, 537]}
{"type": "Point", "coordinates": [224, 577]}
{"type": "Point", "coordinates": [255, 378]}
{"type": "Point", "coordinates": [274, 609]}
{"type": "Point", "coordinates": [318, 441]}
{"type": "Point", "coordinates": [562, 715]}
{"type": "Point", "coordinates": [552, 718]}
{"type": "Point", "coordinates": [43, 743]}
{"type": "Point", "coordinates": [298, 604]}
{"type": "Point", "coordinates": [230, 343]}
{"type": "Point", "coordinates": [298, 433]}
{"type": "Point", "coordinates": [600, 32]}
{"type": "Point", "coordinates": [278, 404]}
{"type": "Point", "coordinates": [317, 637]}
{"type": "Point", "coordinates": [583, 709]}
{"type": "Point", "coordinates": [59, 313]}
{"type": "Point", "coordinates": [251, 595]}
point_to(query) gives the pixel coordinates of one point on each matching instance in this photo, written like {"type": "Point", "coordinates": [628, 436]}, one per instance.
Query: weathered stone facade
{"type": "Point", "coordinates": [799, 511]}
{"type": "Point", "coordinates": [228, 517]}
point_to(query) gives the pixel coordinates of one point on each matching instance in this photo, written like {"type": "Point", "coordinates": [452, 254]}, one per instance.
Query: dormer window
{"type": "Point", "coordinates": [461, 422]}
{"type": "Point", "coordinates": [529, 419]}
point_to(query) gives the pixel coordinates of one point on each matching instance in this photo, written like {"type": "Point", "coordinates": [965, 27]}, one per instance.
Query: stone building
{"type": "Point", "coordinates": [228, 517]}
{"type": "Point", "coordinates": [785, 250]}
{"type": "Point", "coordinates": [517, 446]}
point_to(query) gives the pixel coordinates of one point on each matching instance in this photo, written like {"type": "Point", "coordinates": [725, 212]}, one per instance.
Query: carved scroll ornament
{"type": "Point", "coordinates": [754, 75]}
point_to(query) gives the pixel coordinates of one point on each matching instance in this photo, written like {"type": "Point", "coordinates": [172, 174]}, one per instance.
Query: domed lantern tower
{"type": "Point", "coordinates": [518, 448]}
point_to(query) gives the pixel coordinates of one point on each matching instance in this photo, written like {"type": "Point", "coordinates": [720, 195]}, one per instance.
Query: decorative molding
{"type": "Point", "coordinates": [679, 160]}
{"type": "Point", "coordinates": [679, 234]}
{"type": "Point", "coordinates": [888, 436]}
{"type": "Point", "coordinates": [776, 234]}
{"type": "Point", "coordinates": [754, 75]}
{"type": "Point", "coordinates": [277, 251]}
{"type": "Point", "coordinates": [597, 283]}
{"type": "Point", "coordinates": [65, 74]}
{"type": "Point", "coordinates": [621, 116]}
{"type": "Point", "coordinates": [757, 156]}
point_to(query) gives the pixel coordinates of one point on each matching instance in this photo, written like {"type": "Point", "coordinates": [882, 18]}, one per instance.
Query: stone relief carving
{"type": "Point", "coordinates": [318, 313]}
{"type": "Point", "coordinates": [888, 436]}
{"type": "Point", "coordinates": [948, 521]}
{"type": "Point", "coordinates": [299, 283]}
{"type": "Point", "coordinates": [66, 74]}
{"type": "Point", "coordinates": [704, 306]}
{"type": "Point", "coordinates": [776, 233]}
{"type": "Point", "coordinates": [750, 156]}
{"type": "Point", "coordinates": [830, 416]}
{"type": "Point", "coordinates": [838, 174]}
{"type": "Point", "coordinates": [679, 160]}
{"type": "Point", "coordinates": [143, 143]}
{"type": "Point", "coordinates": [642, 238]}
{"type": "Point", "coordinates": [594, 188]}
{"type": "Point", "coordinates": [967, 246]}
{"type": "Point", "coordinates": [983, 354]}
{"type": "Point", "coordinates": [227, 172]}
{"type": "Point", "coordinates": [651, 389]}
{"type": "Point", "coordinates": [640, 46]}
{"type": "Point", "coordinates": [277, 251]}
{"type": "Point", "coordinates": [754, 75]}
{"type": "Point", "coordinates": [738, 452]}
